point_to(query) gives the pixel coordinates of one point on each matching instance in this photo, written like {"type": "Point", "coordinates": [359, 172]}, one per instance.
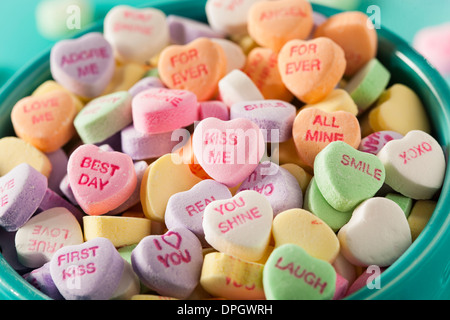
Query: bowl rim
{"type": "Point", "coordinates": [421, 248]}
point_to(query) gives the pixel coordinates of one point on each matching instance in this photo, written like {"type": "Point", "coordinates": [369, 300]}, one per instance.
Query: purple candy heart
{"type": "Point", "coordinates": [21, 191]}
{"type": "Point", "coordinates": [184, 30]}
{"type": "Point", "coordinates": [52, 200]}
{"type": "Point", "coordinates": [59, 161]}
{"type": "Point", "coordinates": [169, 264]}
{"type": "Point", "coordinates": [185, 209]}
{"type": "Point", "coordinates": [274, 116]}
{"type": "Point", "coordinates": [84, 65]}
{"type": "Point", "coordinates": [144, 84]}
{"type": "Point", "coordinates": [277, 184]}
{"type": "Point", "coordinates": [41, 279]}
{"type": "Point", "coordinates": [88, 271]}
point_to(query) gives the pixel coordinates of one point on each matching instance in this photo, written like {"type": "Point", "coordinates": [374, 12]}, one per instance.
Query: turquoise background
{"type": "Point", "coordinates": [20, 40]}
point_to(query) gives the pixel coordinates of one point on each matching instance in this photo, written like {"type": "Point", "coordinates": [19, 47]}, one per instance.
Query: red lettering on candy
{"type": "Point", "coordinates": [415, 152]}
{"type": "Point", "coordinates": [361, 166]}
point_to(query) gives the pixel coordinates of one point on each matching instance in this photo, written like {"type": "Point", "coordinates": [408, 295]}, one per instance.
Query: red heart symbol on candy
{"type": "Point", "coordinates": [173, 239]}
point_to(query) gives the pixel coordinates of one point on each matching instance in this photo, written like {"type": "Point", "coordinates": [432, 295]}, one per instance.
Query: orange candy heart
{"type": "Point", "coordinates": [262, 68]}
{"type": "Point", "coordinates": [354, 32]}
{"type": "Point", "coordinates": [45, 121]}
{"type": "Point", "coordinates": [311, 69]}
{"type": "Point", "coordinates": [197, 67]}
{"type": "Point", "coordinates": [314, 129]}
{"type": "Point", "coordinates": [273, 23]}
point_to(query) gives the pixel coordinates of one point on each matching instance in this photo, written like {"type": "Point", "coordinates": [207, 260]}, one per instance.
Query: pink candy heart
{"type": "Point", "coordinates": [170, 263]}
{"type": "Point", "coordinates": [100, 180]}
{"type": "Point", "coordinates": [84, 66]}
{"type": "Point", "coordinates": [228, 150]}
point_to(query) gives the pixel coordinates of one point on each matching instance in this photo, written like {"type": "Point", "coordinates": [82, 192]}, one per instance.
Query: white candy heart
{"type": "Point", "coordinates": [240, 226]}
{"type": "Point", "coordinates": [415, 165]}
{"type": "Point", "coordinates": [136, 34]}
{"type": "Point", "coordinates": [377, 233]}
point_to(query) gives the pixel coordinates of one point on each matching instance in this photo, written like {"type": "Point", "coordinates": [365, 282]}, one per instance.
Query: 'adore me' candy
{"type": "Point", "coordinates": [197, 67]}
{"type": "Point", "coordinates": [346, 176]}
{"type": "Point", "coordinates": [45, 121]}
{"type": "Point", "coordinates": [21, 191]}
{"type": "Point", "coordinates": [377, 233]}
{"type": "Point", "coordinates": [311, 69]}
{"type": "Point", "coordinates": [239, 226]}
{"type": "Point", "coordinates": [100, 180]}
{"type": "Point", "coordinates": [228, 150]}
{"type": "Point", "coordinates": [415, 165]}
{"type": "Point", "coordinates": [291, 273]}
{"type": "Point", "coordinates": [170, 264]}
{"type": "Point", "coordinates": [273, 23]}
{"type": "Point", "coordinates": [125, 26]}
{"type": "Point", "coordinates": [84, 65]}
{"type": "Point", "coordinates": [88, 271]}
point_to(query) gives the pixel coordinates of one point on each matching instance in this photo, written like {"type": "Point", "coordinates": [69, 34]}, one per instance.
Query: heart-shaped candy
{"type": "Point", "coordinates": [291, 273]}
{"type": "Point", "coordinates": [277, 184]}
{"type": "Point", "coordinates": [240, 226]}
{"type": "Point", "coordinates": [84, 65]}
{"type": "Point", "coordinates": [375, 141]}
{"type": "Point", "coordinates": [311, 69]}
{"type": "Point", "coordinates": [314, 129]}
{"type": "Point", "coordinates": [274, 116]}
{"type": "Point", "coordinates": [377, 233]}
{"type": "Point", "coordinates": [228, 150]}
{"type": "Point", "coordinates": [303, 228]}
{"type": "Point", "coordinates": [100, 180]}
{"type": "Point", "coordinates": [197, 67]}
{"type": "Point", "coordinates": [273, 23]}
{"type": "Point", "coordinates": [185, 209]}
{"type": "Point", "coordinates": [169, 264]}
{"type": "Point", "coordinates": [45, 121]}
{"type": "Point", "coordinates": [346, 176]}
{"type": "Point", "coordinates": [415, 165]}
{"type": "Point", "coordinates": [41, 279]}
{"type": "Point", "coordinates": [21, 191]}
{"type": "Point", "coordinates": [88, 271]}
{"type": "Point", "coordinates": [184, 30]}
{"type": "Point", "coordinates": [45, 233]}
{"type": "Point", "coordinates": [125, 26]}
{"type": "Point", "coordinates": [160, 110]}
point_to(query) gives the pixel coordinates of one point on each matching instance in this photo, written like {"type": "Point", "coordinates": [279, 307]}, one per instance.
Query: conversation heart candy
{"type": "Point", "coordinates": [45, 233]}
{"type": "Point", "coordinates": [52, 200]}
{"type": "Point", "coordinates": [213, 108]}
{"type": "Point", "coordinates": [185, 209]}
{"type": "Point", "coordinates": [103, 117]}
{"type": "Point", "coordinates": [52, 85]}
{"type": "Point", "coordinates": [79, 271]}
{"type": "Point", "coordinates": [277, 184]}
{"type": "Point", "coordinates": [399, 109]}
{"type": "Point", "coordinates": [314, 129]}
{"type": "Point", "coordinates": [377, 233]}
{"type": "Point", "coordinates": [235, 56]}
{"type": "Point", "coordinates": [375, 141]}
{"type": "Point", "coordinates": [169, 264]}
{"type": "Point", "coordinates": [228, 150]}
{"type": "Point", "coordinates": [100, 180]}
{"type": "Point", "coordinates": [302, 176]}
{"type": "Point", "coordinates": [129, 284]}
{"type": "Point", "coordinates": [276, 117]}
{"type": "Point", "coordinates": [161, 110]}
{"type": "Point", "coordinates": [355, 33]}
{"type": "Point", "coordinates": [41, 279]}
{"type": "Point", "coordinates": [311, 69]}
{"type": "Point", "coordinates": [197, 66]}
{"type": "Point", "coordinates": [237, 86]}
{"type": "Point", "coordinates": [21, 191]}
{"type": "Point", "coordinates": [158, 184]}
{"type": "Point", "coordinates": [58, 159]}
{"type": "Point", "coordinates": [45, 121]}
{"type": "Point", "coordinates": [420, 214]}
{"type": "Point", "coordinates": [184, 30]}
{"type": "Point", "coordinates": [301, 227]}
{"type": "Point", "coordinates": [239, 226]}
{"type": "Point", "coordinates": [144, 84]}
{"type": "Point", "coordinates": [84, 65]}
{"type": "Point", "coordinates": [415, 165]}
{"type": "Point", "coordinates": [336, 100]}
{"type": "Point", "coordinates": [124, 26]}
{"type": "Point", "coordinates": [262, 67]}
{"type": "Point", "coordinates": [232, 278]}
{"type": "Point", "coordinates": [229, 16]}
{"type": "Point", "coordinates": [291, 273]}
{"type": "Point", "coordinates": [273, 23]}
{"type": "Point", "coordinates": [346, 176]}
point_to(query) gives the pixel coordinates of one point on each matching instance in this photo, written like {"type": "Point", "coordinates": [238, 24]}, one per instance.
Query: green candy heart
{"type": "Point", "coordinates": [290, 273]}
{"type": "Point", "coordinates": [346, 176]}
{"type": "Point", "coordinates": [317, 205]}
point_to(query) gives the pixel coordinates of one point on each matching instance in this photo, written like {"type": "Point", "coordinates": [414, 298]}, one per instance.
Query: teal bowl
{"type": "Point", "coordinates": [422, 272]}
